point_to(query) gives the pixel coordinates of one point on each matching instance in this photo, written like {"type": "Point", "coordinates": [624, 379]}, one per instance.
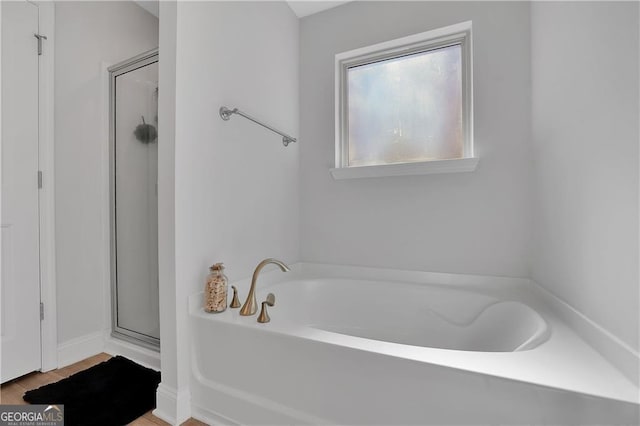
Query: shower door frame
{"type": "Point", "coordinates": [132, 64]}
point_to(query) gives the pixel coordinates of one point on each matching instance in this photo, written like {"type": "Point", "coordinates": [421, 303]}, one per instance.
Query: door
{"type": "Point", "coordinates": [134, 203]}
{"type": "Point", "coordinates": [20, 287]}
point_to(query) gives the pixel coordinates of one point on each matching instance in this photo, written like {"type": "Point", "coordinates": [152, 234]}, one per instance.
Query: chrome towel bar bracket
{"type": "Point", "coordinates": [226, 113]}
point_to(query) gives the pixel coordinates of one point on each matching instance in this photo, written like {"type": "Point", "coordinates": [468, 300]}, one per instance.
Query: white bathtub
{"type": "Point", "coordinates": [409, 314]}
{"type": "Point", "coordinates": [365, 346]}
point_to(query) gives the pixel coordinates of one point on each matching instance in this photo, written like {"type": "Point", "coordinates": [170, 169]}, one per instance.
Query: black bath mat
{"type": "Point", "coordinates": [112, 393]}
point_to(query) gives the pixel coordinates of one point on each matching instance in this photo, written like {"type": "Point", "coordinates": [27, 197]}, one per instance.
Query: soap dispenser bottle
{"type": "Point", "coordinates": [215, 292]}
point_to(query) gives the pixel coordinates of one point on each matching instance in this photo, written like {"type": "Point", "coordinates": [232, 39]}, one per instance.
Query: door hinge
{"type": "Point", "coordinates": [40, 37]}
{"type": "Point", "coordinates": [39, 179]}
{"type": "Point", "coordinates": [41, 311]}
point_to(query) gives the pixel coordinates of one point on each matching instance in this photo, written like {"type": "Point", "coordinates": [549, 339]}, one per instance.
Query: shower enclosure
{"type": "Point", "coordinates": [134, 199]}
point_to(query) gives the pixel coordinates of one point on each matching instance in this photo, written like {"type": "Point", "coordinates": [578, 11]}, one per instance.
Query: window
{"type": "Point", "coordinates": [404, 106]}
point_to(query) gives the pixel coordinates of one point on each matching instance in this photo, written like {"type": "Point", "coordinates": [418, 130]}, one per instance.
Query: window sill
{"type": "Point", "coordinates": [458, 165]}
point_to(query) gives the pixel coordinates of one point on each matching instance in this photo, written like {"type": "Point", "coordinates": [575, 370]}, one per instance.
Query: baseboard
{"type": "Point", "coordinates": [210, 417]}
{"type": "Point", "coordinates": [174, 407]}
{"type": "Point", "coordinates": [143, 356]}
{"type": "Point", "coordinates": [80, 348]}
{"type": "Point", "coordinates": [614, 350]}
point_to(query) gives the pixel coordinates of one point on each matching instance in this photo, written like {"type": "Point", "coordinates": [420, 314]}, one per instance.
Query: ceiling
{"type": "Point", "coordinates": [151, 6]}
{"type": "Point", "coordinates": [306, 8]}
{"type": "Point", "coordinates": [300, 8]}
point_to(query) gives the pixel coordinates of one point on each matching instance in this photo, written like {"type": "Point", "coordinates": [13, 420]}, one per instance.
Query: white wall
{"type": "Point", "coordinates": [88, 34]}
{"type": "Point", "coordinates": [585, 139]}
{"type": "Point", "coordinates": [236, 185]}
{"type": "Point", "coordinates": [166, 400]}
{"type": "Point", "coordinates": [463, 223]}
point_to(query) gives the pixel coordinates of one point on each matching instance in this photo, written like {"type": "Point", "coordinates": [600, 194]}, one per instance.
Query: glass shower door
{"type": "Point", "coordinates": [134, 199]}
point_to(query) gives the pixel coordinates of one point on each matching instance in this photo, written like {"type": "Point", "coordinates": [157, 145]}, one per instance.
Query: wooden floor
{"type": "Point", "coordinates": [11, 392]}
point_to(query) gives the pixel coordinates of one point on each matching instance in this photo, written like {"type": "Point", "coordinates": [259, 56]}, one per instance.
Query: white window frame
{"type": "Point", "coordinates": [458, 34]}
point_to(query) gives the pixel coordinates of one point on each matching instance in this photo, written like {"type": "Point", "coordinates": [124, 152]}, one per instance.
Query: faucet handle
{"type": "Point", "coordinates": [264, 315]}
{"type": "Point", "coordinates": [235, 302]}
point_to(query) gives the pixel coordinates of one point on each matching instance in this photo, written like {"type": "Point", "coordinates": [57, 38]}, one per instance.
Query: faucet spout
{"type": "Point", "coordinates": [251, 304]}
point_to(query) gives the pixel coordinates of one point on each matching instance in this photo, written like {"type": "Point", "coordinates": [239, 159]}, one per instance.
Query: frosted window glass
{"type": "Point", "coordinates": [406, 109]}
